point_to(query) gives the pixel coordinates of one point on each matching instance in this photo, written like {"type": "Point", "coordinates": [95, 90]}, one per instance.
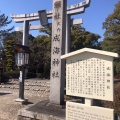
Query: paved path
{"type": "Point", "coordinates": [34, 91]}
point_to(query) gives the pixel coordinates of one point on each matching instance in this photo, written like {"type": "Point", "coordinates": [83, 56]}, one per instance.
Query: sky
{"type": "Point", "coordinates": [93, 17]}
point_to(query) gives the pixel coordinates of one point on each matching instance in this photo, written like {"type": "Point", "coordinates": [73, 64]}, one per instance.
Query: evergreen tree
{"type": "Point", "coordinates": [40, 56]}
{"type": "Point", "coordinates": [10, 56]}
{"type": "Point", "coordinates": [3, 23]}
{"type": "Point", "coordinates": [81, 38]}
{"type": "Point", "coordinates": [3, 33]}
{"type": "Point", "coordinates": [17, 36]}
{"type": "Point", "coordinates": [111, 40]}
{"type": "Point", "coordinates": [41, 47]}
{"type": "Point", "coordinates": [13, 37]}
{"type": "Point", "coordinates": [111, 43]}
{"type": "Point", "coordinates": [2, 59]}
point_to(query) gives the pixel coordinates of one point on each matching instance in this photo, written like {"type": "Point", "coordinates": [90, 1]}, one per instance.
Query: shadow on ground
{"type": "Point", "coordinates": [28, 103]}
{"type": "Point", "coordinates": [4, 93]}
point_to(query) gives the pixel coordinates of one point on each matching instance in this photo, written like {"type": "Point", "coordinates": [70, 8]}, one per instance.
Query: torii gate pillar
{"type": "Point", "coordinates": [68, 34]}
{"type": "Point", "coordinates": [25, 39]}
{"type": "Point", "coordinates": [25, 32]}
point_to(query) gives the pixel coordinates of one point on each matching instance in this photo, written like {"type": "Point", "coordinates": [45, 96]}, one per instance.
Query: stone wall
{"type": "Point", "coordinates": [31, 85]}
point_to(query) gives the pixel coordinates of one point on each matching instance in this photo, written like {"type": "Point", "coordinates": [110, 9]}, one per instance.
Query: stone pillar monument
{"type": "Point", "coordinates": [57, 77]}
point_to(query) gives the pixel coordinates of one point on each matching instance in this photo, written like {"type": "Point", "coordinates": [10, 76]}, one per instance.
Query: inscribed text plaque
{"type": "Point", "coordinates": [77, 111]}
{"type": "Point", "coordinates": [90, 75]}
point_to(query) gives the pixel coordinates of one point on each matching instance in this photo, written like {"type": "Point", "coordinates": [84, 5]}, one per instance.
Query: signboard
{"type": "Point", "coordinates": [89, 74]}
{"type": "Point", "coordinates": [20, 78]}
{"type": "Point", "coordinates": [77, 111]}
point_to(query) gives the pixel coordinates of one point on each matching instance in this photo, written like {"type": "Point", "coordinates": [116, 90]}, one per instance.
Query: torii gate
{"type": "Point", "coordinates": [61, 15]}
{"type": "Point", "coordinates": [26, 18]}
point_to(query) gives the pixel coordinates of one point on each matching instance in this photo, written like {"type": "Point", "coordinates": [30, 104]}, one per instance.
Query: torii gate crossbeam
{"type": "Point", "coordinates": [71, 10]}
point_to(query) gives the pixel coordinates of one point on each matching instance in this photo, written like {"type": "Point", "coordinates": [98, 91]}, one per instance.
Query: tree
{"type": "Point", "coordinates": [81, 38]}
{"type": "Point", "coordinates": [3, 23]}
{"type": "Point", "coordinates": [47, 31]}
{"type": "Point", "coordinates": [111, 40]}
{"type": "Point", "coordinates": [17, 36]}
{"type": "Point", "coordinates": [3, 33]}
{"type": "Point", "coordinates": [30, 38]}
{"type": "Point", "coordinates": [41, 47]}
{"type": "Point", "coordinates": [10, 56]}
{"type": "Point", "coordinates": [40, 57]}
{"type": "Point", "coordinates": [13, 37]}
{"type": "Point", "coordinates": [2, 59]}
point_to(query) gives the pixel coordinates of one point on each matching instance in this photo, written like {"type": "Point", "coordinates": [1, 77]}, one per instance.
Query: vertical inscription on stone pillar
{"type": "Point", "coordinates": [58, 39]}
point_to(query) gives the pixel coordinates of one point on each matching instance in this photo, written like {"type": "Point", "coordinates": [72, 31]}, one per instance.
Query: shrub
{"type": "Point", "coordinates": [4, 78]}
{"type": "Point", "coordinates": [12, 74]}
{"type": "Point", "coordinates": [31, 75]}
{"type": "Point", "coordinates": [39, 75]}
{"type": "Point", "coordinates": [118, 67]}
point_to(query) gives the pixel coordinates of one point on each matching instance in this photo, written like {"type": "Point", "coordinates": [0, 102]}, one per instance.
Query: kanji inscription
{"type": "Point", "coordinates": [58, 49]}
{"type": "Point", "coordinates": [90, 77]}
{"type": "Point", "coordinates": [77, 111]}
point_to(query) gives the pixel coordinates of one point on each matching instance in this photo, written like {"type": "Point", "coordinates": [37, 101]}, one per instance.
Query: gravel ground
{"type": "Point", "coordinates": [9, 108]}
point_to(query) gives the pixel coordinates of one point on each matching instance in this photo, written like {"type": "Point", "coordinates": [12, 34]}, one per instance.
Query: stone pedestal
{"type": "Point", "coordinates": [21, 101]}
{"type": "Point", "coordinates": [42, 111]}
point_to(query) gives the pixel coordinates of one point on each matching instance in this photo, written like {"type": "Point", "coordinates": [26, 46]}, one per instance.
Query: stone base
{"type": "Point", "coordinates": [21, 101]}
{"type": "Point", "coordinates": [42, 111]}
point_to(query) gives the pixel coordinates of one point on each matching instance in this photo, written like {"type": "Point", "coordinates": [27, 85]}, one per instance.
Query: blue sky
{"type": "Point", "coordinates": [93, 17]}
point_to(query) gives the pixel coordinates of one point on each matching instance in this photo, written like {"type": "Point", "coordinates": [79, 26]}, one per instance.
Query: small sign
{"type": "Point", "coordinates": [77, 111]}
{"type": "Point", "coordinates": [21, 73]}
{"type": "Point", "coordinates": [20, 79]}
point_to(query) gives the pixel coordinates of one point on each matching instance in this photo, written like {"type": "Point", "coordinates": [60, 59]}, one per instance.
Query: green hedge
{"type": "Point", "coordinates": [15, 75]}
{"type": "Point", "coordinates": [31, 75]}
{"type": "Point", "coordinates": [12, 74]}
{"type": "Point", "coordinates": [39, 75]}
